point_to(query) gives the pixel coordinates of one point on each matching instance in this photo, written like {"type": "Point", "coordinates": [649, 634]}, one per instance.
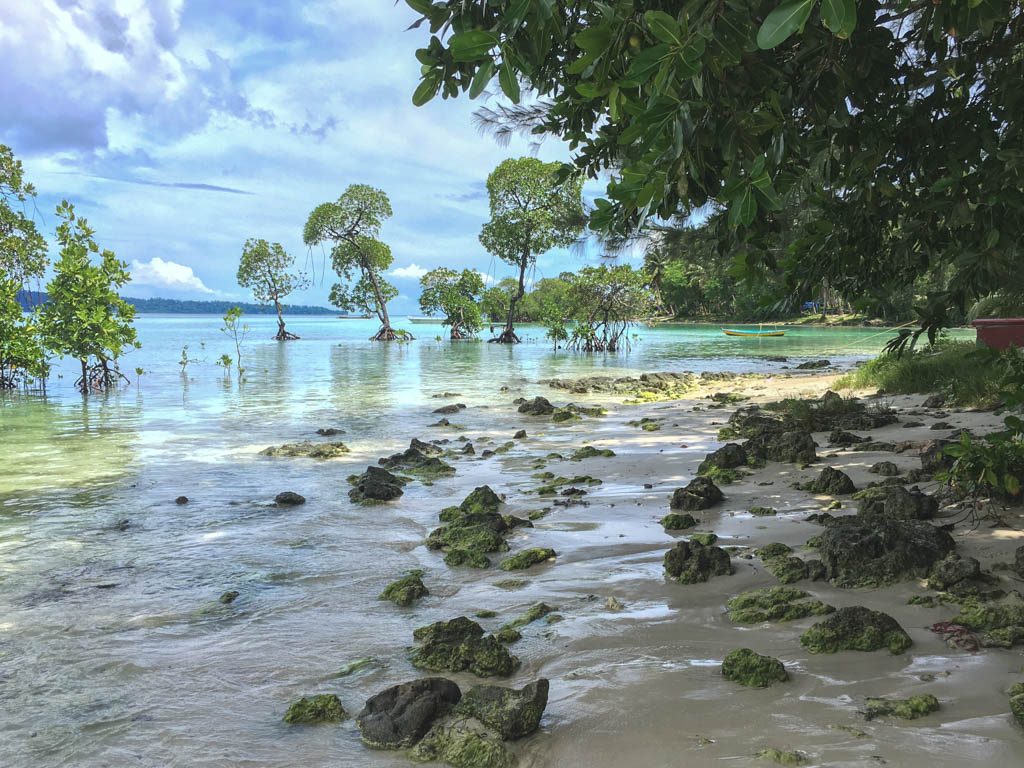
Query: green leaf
{"type": "Point", "coordinates": [482, 77]}
{"type": "Point", "coordinates": [1011, 484]}
{"type": "Point", "coordinates": [840, 16]}
{"type": "Point", "coordinates": [783, 22]}
{"type": "Point", "coordinates": [473, 45]}
{"type": "Point", "coordinates": [766, 194]}
{"type": "Point", "coordinates": [509, 83]}
{"type": "Point", "coordinates": [664, 27]}
{"type": "Point", "coordinates": [742, 208]}
{"type": "Point", "coordinates": [427, 88]}
{"type": "Point", "coordinates": [645, 62]}
{"type": "Point", "coordinates": [420, 6]}
{"type": "Point", "coordinates": [594, 40]}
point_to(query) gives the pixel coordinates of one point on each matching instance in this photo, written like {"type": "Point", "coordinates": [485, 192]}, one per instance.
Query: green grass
{"type": "Point", "coordinates": [967, 375]}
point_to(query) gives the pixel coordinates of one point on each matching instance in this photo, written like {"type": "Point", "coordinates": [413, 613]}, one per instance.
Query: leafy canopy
{"type": "Point", "coordinates": [22, 248]}
{"type": "Point", "coordinates": [456, 295]}
{"type": "Point", "coordinates": [902, 116]}
{"type": "Point", "coordinates": [603, 302]}
{"type": "Point", "coordinates": [266, 269]}
{"type": "Point", "coordinates": [21, 352]}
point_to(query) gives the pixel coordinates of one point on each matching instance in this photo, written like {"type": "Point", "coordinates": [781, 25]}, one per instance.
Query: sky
{"type": "Point", "coordinates": [180, 128]}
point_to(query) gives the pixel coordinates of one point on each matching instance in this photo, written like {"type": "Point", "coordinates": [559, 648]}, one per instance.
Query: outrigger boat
{"type": "Point", "coordinates": [731, 332]}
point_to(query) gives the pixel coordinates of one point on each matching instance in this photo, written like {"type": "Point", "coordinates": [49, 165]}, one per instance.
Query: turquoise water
{"type": "Point", "coordinates": [114, 649]}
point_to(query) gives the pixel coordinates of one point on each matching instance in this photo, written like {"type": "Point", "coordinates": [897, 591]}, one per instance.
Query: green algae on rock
{"type": "Point", "coordinates": [1016, 694]}
{"type": "Point", "coordinates": [832, 482]}
{"type": "Point", "coordinates": [700, 493]}
{"type": "Point", "coordinates": [704, 539]}
{"type": "Point", "coordinates": [527, 558]}
{"type": "Point", "coordinates": [376, 484]}
{"type": "Point", "coordinates": [775, 604]}
{"type": "Point", "coordinates": [773, 550]}
{"type": "Point", "coordinates": [405, 590]}
{"type": "Point", "coordinates": [906, 709]}
{"type": "Point", "coordinates": [689, 562]}
{"type": "Point", "coordinates": [321, 708]}
{"type": "Point", "coordinates": [414, 462]}
{"type": "Point", "coordinates": [472, 531]}
{"type": "Point", "coordinates": [763, 511]}
{"type": "Point", "coordinates": [590, 452]}
{"type": "Point", "coordinates": [753, 670]}
{"type": "Point", "coordinates": [895, 501]}
{"type": "Point", "coordinates": [856, 629]}
{"type": "Point", "coordinates": [460, 645]}
{"type": "Point", "coordinates": [306, 449]}
{"type": "Point", "coordinates": [463, 742]}
{"type": "Point", "coordinates": [677, 522]}
{"type": "Point", "coordinates": [1000, 620]}
{"type": "Point", "coordinates": [781, 757]}
{"type": "Point", "coordinates": [512, 713]}
{"type": "Point", "coordinates": [787, 569]}
{"type": "Point", "coordinates": [729, 456]}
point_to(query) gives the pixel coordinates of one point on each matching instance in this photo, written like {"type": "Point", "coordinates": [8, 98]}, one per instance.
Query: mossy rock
{"type": "Point", "coordinates": [463, 742]}
{"type": "Point", "coordinates": [460, 645]}
{"type": "Point", "coordinates": [689, 562]}
{"type": "Point", "coordinates": [306, 449]}
{"type": "Point", "coordinates": [729, 456]}
{"type": "Point", "coordinates": [895, 502]}
{"type": "Point", "coordinates": [563, 415]}
{"type": "Point", "coordinates": [773, 550]}
{"type": "Point", "coordinates": [763, 511]}
{"type": "Point", "coordinates": [856, 629]}
{"type": "Point", "coordinates": [1016, 693]}
{"type": "Point", "coordinates": [1001, 620]}
{"type": "Point", "coordinates": [906, 709]}
{"type": "Point", "coordinates": [700, 493]}
{"type": "Point", "coordinates": [832, 482]}
{"type": "Point", "coordinates": [414, 462]}
{"type": "Point", "coordinates": [512, 713]}
{"type": "Point", "coordinates": [675, 521]}
{"type": "Point", "coordinates": [527, 558]}
{"type": "Point", "coordinates": [753, 670]}
{"type": "Point", "coordinates": [860, 552]}
{"type": "Point", "coordinates": [376, 484]}
{"type": "Point", "coordinates": [590, 452]}
{"type": "Point", "coordinates": [775, 604]}
{"type": "Point", "coordinates": [321, 708]}
{"type": "Point", "coordinates": [534, 613]}
{"type": "Point", "coordinates": [787, 570]}
{"type": "Point", "coordinates": [783, 757]}
{"type": "Point", "coordinates": [704, 539]}
{"type": "Point", "coordinates": [480, 501]}
{"type": "Point", "coordinates": [406, 590]}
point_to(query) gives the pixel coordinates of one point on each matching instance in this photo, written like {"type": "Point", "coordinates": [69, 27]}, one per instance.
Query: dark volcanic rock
{"type": "Point", "coordinates": [884, 468]}
{"type": "Point", "coordinates": [813, 365]}
{"type": "Point", "coordinates": [375, 484]}
{"type": "Point", "coordinates": [512, 713]}
{"type": "Point", "coordinates": [844, 439]}
{"type": "Point", "coordinates": [701, 493]}
{"type": "Point", "coordinates": [858, 552]}
{"type": "Point", "coordinates": [794, 447]}
{"type": "Point", "coordinates": [398, 717]}
{"type": "Point", "coordinates": [539, 406]}
{"type": "Point", "coordinates": [832, 482]}
{"type": "Point", "coordinates": [729, 456]}
{"type": "Point", "coordinates": [414, 461]}
{"type": "Point", "coordinates": [459, 645]}
{"type": "Point", "coordinates": [289, 499]}
{"type": "Point", "coordinates": [856, 629]}
{"type": "Point", "coordinates": [896, 502]}
{"type": "Point", "coordinates": [448, 410]}
{"type": "Point", "coordinates": [689, 562]}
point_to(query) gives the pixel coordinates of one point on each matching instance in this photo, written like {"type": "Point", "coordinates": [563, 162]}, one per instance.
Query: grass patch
{"type": "Point", "coordinates": [967, 375]}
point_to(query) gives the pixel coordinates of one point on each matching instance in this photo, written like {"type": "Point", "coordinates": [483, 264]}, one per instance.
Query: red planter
{"type": "Point", "coordinates": [1001, 332]}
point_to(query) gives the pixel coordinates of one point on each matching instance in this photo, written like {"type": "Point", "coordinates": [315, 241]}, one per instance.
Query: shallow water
{"type": "Point", "coordinates": [114, 649]}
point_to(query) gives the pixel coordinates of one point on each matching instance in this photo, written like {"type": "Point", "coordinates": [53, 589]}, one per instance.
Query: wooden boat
{"type": "Point", "coordinates": [353, 317]}
{"type": "Point", "coordinates": [730, 332]}
{"type": "Point", "coordinates": [425, 320]}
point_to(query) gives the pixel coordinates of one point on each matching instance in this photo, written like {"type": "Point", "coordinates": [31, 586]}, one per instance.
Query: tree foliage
{"type": "Point", "coordinates": [22, 248]}
{"type": "Point", "coordinates": [85, 318]}
{"type": "Point", "coordinates": [22, 357]}
{"type": "Point", "coordinates": [534, 208]}
{"type": "Point", "coordinates": [601, 304]}
{"type": "Point", "coordinates": [266, 269]}
{"type": "Point", "coordinates": [456, 295]}
{"type": "Point", "coordinates": [904, 114]}
{"type": "Point", "coordinates": [352, 226]}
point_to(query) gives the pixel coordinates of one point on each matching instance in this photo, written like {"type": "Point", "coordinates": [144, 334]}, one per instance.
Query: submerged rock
{"type": "Point", "coordinates": [181, 500]}
{"type": "Point", "coordinates": [534, 613]}
{"type": "Point", "coordinates": [753, 670]}
{"type": "Point", "coordinates": [678, 522]}
{"type": "Point", "coordinates": [459, 645]}
{"type": "Point", "coordinates": [831, 481]}
{"type": "Point", "coordinates": [856, 629]}
{"type": "Point", "coordinates": [859, 553]}
{"type": "Point", "coordinates": [399, 716]}
{"type": "Point", "coordinates": [448, 410]}
{"type": "Point", "coordinates": [539, 406]}
{"type": "Point", "coordinates": [229, 597]}
{"type": "Point", "coordinates": [813, 365]}
{"type": "Point", "coordinates": [527, 558]}
{"type": "Point", "coordinates": [321, 708]}
{"type": "Point", "coordinates": [289, 499]}
{"type": "Point", "coordinates": [415, 462]}
{"type": "Point", "coordinates": [896, 502]}
{"type": "Point", "coordinates": [689, 562]}
{"type": "Point", "coordinates": [427, 449]}
{"type": "Point", "coordinates": [306, 449]}
{"type": "Point", "coordinates": [700, 493]}
{"type": "Point", "coordinates": [405, 590]}
{"type": "Point", "coordinates": [512, 713]}
{"type": "Point", "coordinates": [463, 742]}
{"type": "Point", "coordinates": [783, 757]}
{"type": "Point", "coordinates": [375, 484]}
{"type": "Point", "coordinates": [775, 604]}
{"type": "Point", "coordinates": [907, 709]}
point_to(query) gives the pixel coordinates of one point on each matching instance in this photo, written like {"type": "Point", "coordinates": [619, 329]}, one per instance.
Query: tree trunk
{"type": "Point", "coordinates": [386, 333]}
{"type": "Point", "coordinates": [282, 334]}
{"type": "Point", "coordinates": [508, 335]}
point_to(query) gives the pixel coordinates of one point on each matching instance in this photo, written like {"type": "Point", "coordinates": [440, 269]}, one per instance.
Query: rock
{"type": "Point", "coordinates": [459, 645]}
{"type": "Point", "coordinates": [704, 539]}
{"type": "Point", "coordinates": [1016, 694]}
{"type": "Point", "coordinates": [856, 629]}
{"type": "Point", "coordinates": [520, 435]}
{"type": "Point", "coordinates": [399, 716]}
{"type": "Point", "coordinates": [330, 431]}
{"type": "Point", "coordinates": [860, 553]}
{"type": "Point", "coordinates": [539, 406]}
{"type": "Point", "coordinates": [677, 522]}
{"type": "Point", "coordinates": [934, 458]}
{"type": "Point", "coordinates": [512, 713]}
{"type": "Point", "coordinates": [322, 708]}
{"type": "Point", "coordinates": [689, 562]}
{"type": "Point", "coordinates": [614, 604]}
{"type": "Point", "coordinates": [832, 482]}
{"type": "Point", "coordinates": [884, 468]}
{"type": "Point", "coordinates": [414, 461]}
{"type": "Point", "coordinates": [590, 452]}
{"type": "Point", "coordinates": [783, 757]}
{"type": "Point", "coordinates": [907, 709]}
{"type": "Point", "coordinates": [181, 500]}
{"type": "Point", "coordinates": [763, 511]}
{"type": "Point", "coordinates": [729, 456]}
{"type": "Point", "coordinates": [940, 425]}
{"type": "Point", "coordinates": [773, 550]}
{"type": "Point", "coordinates": [812, 365]}
{"type": "Point", "coordinates": [447, 410]}
{"type": "Point", "coordinates": [775, 604]}
{"type": "Point", "coordinates": [427, 449]}
{"type": "Point", "coordinates": [229, 597]}
{"type": "Point", "coordinates": [844, 439]}
{"type": "Point", "coordinates": [787, 569]}
{"type": "Point", "coordinates": [1001, 620]}
{"type": "Point", "coordinates": [701, 493]}
{"type": "Point", "coordinates": [474, 529]}
{"type": "Point", "coordinates": [307, 449]}
{"type": "Point", "coordinates": [753, 670]}
{"type": "Point", "coordinates": [375, 484]}
{"type": "Point", "coordinates": [934, 401]}
{"type": "Point", "coordinates": [794, 447]}
{"type": "Point", "coordinates": [1018, 561]}
{"type": "Point", "coordinates": [533, 613]}
{"type": "Point", "coordinates": [405, 590]}
{"type": "Point", "coordinates": [952, 571]}
{"type": "Point", "coordinates": [894, 502]}
{"type": "Point", "coordinates": [463, 742]}
{"type": "Point", "coordinates": [527, 558]}
{"type": "Point", "coordinates": [289, 499]}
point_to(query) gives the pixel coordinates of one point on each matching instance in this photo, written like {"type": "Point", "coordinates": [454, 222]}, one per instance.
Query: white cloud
{"type": "Point", "coordinates": [167, 274]}
{"type": "Point", "coordinates": [414, 271]}
{"type": "Point", "coordinates": [488, 279]}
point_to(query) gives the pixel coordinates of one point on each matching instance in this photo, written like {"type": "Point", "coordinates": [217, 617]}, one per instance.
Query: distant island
{"type": "Point", "coordinates": [31, 299]}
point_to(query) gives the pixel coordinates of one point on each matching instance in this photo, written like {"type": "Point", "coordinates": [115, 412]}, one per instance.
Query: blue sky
{"type": "Point", "coordinates": [180, 128]}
